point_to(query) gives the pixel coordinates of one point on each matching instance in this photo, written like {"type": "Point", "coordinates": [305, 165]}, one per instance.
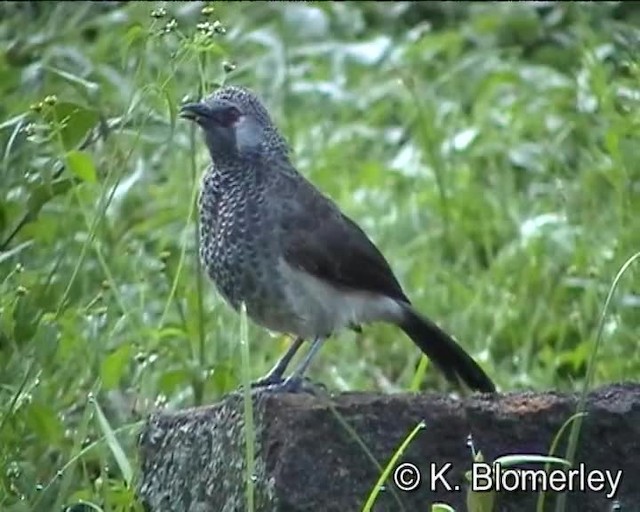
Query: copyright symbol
{"type": "Point", "coordinates": [406, 477]}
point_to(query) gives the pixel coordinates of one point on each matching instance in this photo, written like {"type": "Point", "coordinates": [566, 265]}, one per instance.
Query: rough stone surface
{"type": "Point", "coordinates": [306, 460]}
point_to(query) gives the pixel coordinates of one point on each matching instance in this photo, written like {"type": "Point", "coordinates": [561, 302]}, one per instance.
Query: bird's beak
{"type": "Point", "coordinates": [195, 111]}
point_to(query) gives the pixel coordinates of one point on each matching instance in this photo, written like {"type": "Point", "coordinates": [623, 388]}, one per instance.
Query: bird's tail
{"type": "Point", "coordinates": [445, 352]}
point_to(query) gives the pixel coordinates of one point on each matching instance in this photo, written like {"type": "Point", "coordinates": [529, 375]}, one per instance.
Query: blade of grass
{"type": "Point", "coordinates": [354, 435]}
{"type": "Point", "coordinates": [198, 386]}
{"type": "Point", "coordinates": [202, 360]}
{"type": "Point", "coordinates": [373, 495]}
{"type": "Point", "coordinates": [572, 447]}
{"type": "Point", "coordinates": [67, 477]}
{"type": "Point", "coordinates": [81, 453]}
{"type": "Point", "coordinates": [21, 391]}
{"type": "Point", "coordinates": [552, 450]}
{"type": "Point", "coordinates": [418, 375]}
{"type": "Point", "coordinates": [249, 430]}
{"type": "Point", "coordinates": [113, 443]}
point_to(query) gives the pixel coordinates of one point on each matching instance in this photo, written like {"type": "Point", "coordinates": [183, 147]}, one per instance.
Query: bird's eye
{"type": "Point", "coordinates": [231, 115]}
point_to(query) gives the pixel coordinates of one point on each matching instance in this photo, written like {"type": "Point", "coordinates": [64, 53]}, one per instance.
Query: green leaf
{"type": "Point", "coordinates": [25, 319]}
{"type": "Point", "coordinates": [115, 365]}
{"type": "Point", "coordinates": [484, 501]}
{"type": "Point", "coordinates": [442, 507]}
{"type": "Point", "coordinates": [3, 217]}
{"type": "Point", "coordinates": [89, 86]}
{"type": "Point", "coordinates": [170, 332]}
{"type": "Point", "coordinates": [83, 505]}
{"type": "Point", "coordinates": [74, 120]}
{"type": "Point", "coordinates": [4, 256]}
{"type": "Point", "coordinates": [136, 35]}
{"type": "Point", "coordinates": [172, 380]}
{"type": "Point", "coordinates": [481, 501]}
{"type": "Point", "coordinates": [43, 193]}
{"type": "Point", "coordinates": [44, 422]}
{"type": "Point", "coordinates": [114, 445]}
{"type": "Point", "coordinates": [81, 164]}
{"type": "Point", "coordinates": [224, 377]}
{"type": "Point", "coordinates": [514, 460]}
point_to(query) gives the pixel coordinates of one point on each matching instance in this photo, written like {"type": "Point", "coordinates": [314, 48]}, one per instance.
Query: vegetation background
{"type": "Point", "coordinates": [491, 150]}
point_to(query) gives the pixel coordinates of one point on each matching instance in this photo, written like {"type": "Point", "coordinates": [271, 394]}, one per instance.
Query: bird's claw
{"type": "Point", "coordinates": [294, 385]}
{"type": "Point", "coordinates": [266, 381]}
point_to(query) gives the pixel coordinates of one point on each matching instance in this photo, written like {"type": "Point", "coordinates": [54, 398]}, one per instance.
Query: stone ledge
{"type": "Point", "coordinates": [194, 460]}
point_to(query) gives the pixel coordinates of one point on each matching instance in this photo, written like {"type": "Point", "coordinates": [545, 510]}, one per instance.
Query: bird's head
{"type": "Point", "coordinates": [235, 125]}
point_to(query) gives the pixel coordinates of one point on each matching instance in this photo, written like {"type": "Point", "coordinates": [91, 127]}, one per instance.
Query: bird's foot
{"type": "Point", "coordinates": [294, 385]}
{"type": "Point", "coordinates": [266, 381]}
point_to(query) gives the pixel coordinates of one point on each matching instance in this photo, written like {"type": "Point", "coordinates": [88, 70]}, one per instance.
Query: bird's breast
{"type": "Point", "coordinates": [236, 246]}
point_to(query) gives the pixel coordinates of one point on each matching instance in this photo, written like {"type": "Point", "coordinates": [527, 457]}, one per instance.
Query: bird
{"type": "Point", "coordinates": [271, 240]}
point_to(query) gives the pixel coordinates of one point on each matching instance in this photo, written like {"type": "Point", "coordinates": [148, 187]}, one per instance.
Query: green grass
{"type": "Point", "coordinates": [491, 151]}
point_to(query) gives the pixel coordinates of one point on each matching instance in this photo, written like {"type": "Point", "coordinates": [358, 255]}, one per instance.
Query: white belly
{"type": "Point", "coordinates": [322, 309]}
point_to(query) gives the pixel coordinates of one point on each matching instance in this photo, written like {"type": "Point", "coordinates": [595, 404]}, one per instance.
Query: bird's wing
{"type": "Point", "coordinates": [319, 239]}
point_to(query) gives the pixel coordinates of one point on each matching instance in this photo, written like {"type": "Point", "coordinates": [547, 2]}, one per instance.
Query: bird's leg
{"type": "Point", "coordinates": [299, 372]}
{"type": "Point", "coordinates": [294, 383]}
{"type": "Point", "coordinates": [275, 374]}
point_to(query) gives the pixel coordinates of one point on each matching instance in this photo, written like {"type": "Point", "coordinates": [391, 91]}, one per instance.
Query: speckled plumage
{"type": "Point", "coordinates": [237, 248]}
{"type": "Point", "coordinates": [270, 239]}
{"type": "Point", "coordinates": [240, 223]}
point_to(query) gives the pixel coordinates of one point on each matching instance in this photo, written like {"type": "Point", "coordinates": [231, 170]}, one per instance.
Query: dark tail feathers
{"type": "Point", "coordinates": [445, 353]}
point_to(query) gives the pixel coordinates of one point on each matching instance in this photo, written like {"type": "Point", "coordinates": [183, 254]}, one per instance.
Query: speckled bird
{"type": "Point", "coordinates": [272, 240]}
